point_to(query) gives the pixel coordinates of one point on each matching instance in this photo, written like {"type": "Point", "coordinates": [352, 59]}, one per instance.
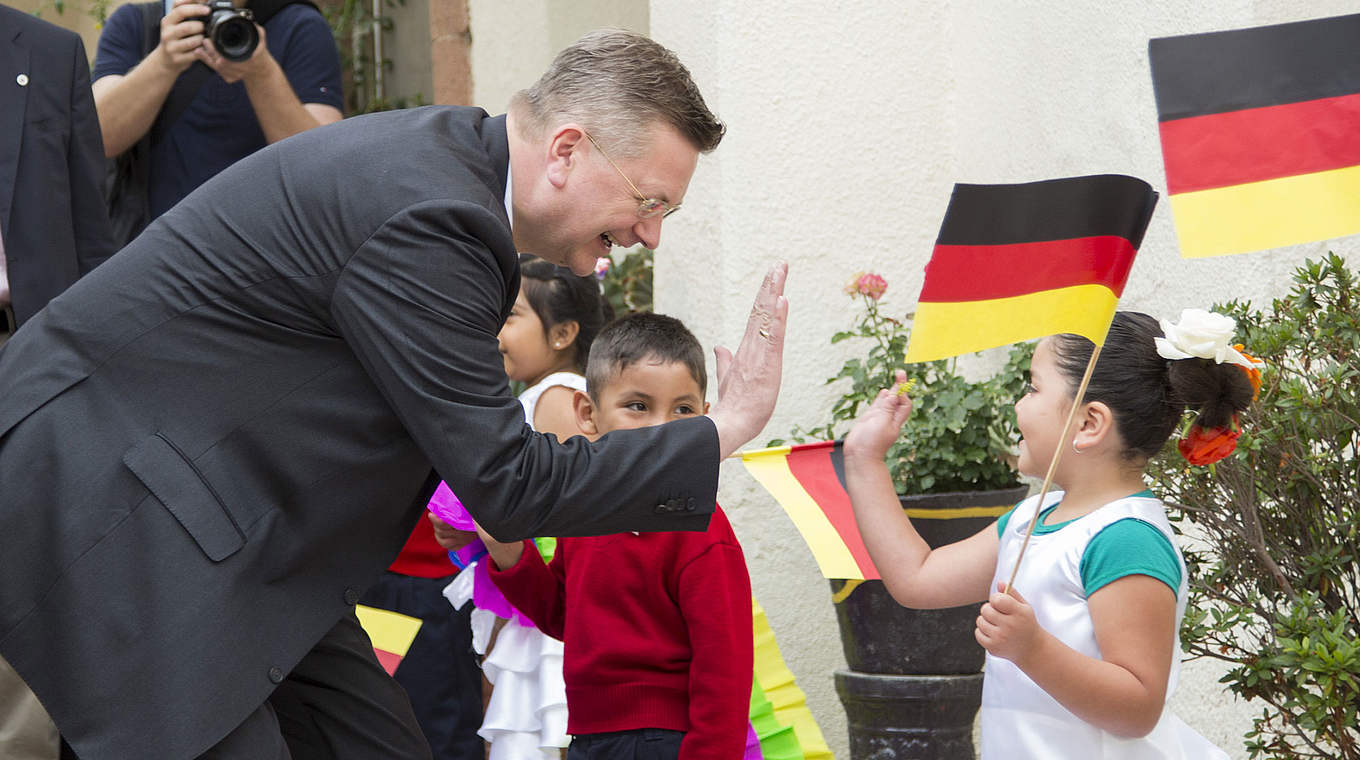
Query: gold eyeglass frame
{"type": "Point", "coordinates": [647, 207]}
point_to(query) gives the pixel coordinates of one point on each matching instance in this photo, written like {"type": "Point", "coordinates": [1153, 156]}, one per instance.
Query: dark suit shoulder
{"type": "Point", "coordinates": [391, 161]}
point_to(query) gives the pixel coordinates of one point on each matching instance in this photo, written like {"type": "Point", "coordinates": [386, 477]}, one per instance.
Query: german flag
{"type": "Point", "coordinates": [1014, 262]}
{"type": "Point", "coordinates": [1260, 134]}
{"type": "Point", "coordinates": [808, 481]}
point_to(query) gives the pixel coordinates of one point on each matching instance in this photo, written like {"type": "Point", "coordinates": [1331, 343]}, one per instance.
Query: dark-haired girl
{"type": "Point", "coordinates": [1082, 653]}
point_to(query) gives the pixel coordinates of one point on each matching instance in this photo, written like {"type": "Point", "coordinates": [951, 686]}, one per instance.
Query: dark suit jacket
{"type": "Point", "coordinates": [215, 441]}
{"type": "Point", "coordinates": [52, 212]}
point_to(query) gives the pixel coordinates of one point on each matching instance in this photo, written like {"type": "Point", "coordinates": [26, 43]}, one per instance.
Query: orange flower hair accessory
{"type": "Point", "coordinates": [1201, 447]}
{"type": "Point", "coordinates": [1253, 372]}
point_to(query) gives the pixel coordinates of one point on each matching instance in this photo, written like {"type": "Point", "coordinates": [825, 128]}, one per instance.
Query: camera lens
{"type": "Point", "coordinates": [234, 35]}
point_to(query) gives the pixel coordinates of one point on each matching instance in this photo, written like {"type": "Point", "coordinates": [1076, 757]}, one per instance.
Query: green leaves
{"type": "Point", "coordinates": [1277, 591]}
{"type": "Point", "coordinates": [628, 283]}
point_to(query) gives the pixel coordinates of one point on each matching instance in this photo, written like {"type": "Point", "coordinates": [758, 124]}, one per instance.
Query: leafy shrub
{"type": "Point", "coordinates": [1275, 591]}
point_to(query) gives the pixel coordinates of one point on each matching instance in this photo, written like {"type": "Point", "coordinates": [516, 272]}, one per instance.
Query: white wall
{"type": "Point", "coordinates": [513, 42]}
{"type": "Point", "coordinates": [849, 123]}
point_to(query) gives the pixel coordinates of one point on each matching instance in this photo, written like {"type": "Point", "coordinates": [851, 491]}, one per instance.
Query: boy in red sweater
{"type": "Point", "coordinates": [656, 626]}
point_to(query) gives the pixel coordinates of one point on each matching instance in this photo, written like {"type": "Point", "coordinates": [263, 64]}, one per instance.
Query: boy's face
{"type": "Point", "coordinates": [646, 393]}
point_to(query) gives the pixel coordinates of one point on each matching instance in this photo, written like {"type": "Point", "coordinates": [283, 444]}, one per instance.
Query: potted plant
{"type": "Point", "coordinates": [1275, 570]}
{"type": "Point", "coordinates": [914, 682]}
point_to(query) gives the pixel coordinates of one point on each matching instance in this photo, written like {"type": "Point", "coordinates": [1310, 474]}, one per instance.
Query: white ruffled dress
{"type": "Point", "coordinates": [527, 716]}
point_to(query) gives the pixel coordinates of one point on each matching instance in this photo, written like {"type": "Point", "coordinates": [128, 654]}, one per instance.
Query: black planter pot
{"type": "Point", "coordinates": [914, 686]}
{"type": "Point", "coordinates": [909, 716]}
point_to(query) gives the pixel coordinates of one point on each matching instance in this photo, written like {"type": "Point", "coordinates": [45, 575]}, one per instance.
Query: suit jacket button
{"type": "Point", "coordinates": [351, 597]}
{"type": "Point", "coordinates": [276, 674]}
{"type": "Point", "coordinates": [689, 505]}
{"type": "Point", "coordinates": [661, 509]}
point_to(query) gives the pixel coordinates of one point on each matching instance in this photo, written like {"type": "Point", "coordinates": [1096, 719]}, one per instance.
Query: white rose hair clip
{"type": "Point", "coordinates": [1204, 334]}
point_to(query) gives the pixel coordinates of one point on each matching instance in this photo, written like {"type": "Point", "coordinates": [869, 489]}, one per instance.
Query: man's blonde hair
{"type": "Point", "coordinates": [616, 84]}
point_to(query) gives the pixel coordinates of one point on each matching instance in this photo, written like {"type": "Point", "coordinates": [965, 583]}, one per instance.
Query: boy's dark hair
{"type": "Point", "coordinates": [644, 335]}
{"type": "Point", "coordinates": [1149, 394]}
{"type": "Point", "coordinates": [557, 296]}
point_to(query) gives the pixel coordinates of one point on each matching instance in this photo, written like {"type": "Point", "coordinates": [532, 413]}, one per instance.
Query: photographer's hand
{"type": "Point", "coordinates": [256, 67]}
{"type": "Point", "coordinates": [181, 36]}
{"type": "Point", "coordinates": [277, 107]}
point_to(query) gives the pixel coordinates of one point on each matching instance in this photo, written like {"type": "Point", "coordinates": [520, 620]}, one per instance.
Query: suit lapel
{"type": "Point", "coordinates": [14, 58]}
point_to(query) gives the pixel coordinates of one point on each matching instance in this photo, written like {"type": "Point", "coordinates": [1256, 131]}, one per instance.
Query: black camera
{"type": "Point", "coordinates": [231, 29]}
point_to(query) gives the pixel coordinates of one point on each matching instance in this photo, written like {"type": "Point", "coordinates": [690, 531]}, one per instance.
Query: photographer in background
{"type": "Point", "coordinates": [222, 113]}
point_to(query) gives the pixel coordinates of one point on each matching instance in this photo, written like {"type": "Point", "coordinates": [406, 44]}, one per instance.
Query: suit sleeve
{"type": "Point", "coordinates": [420, 304]}
{"type": "Point", "coordinates": [86, 164]}
{"type": "Point", "coordinates": [715, 598]}
{"type": "Point", "coordinates": [536, 589]}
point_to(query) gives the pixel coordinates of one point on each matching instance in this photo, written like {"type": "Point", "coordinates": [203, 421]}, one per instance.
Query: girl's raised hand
{"type": "Point", "coordinates": [1006, 627]}
{"type": "Point", "coordinates": [878, 427]}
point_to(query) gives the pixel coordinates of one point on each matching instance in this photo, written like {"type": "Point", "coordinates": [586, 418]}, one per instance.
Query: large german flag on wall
{"type": "Point", "coordinates": [1014, 262]}
{"type": "Point", "coordinates": [1260, 134]}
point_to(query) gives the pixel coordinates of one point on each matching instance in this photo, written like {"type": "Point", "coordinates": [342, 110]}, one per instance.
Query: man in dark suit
{"type": "Point", "coordinates": [211, 445]}
{"type": "Point", "coordinates": [53, 228]}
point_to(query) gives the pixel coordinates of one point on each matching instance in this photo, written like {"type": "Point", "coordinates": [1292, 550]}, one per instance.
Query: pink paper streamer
{"type": "Point", "coordinates": [752, 745]}
{"type": "Point", "coordinates": [446, 506]}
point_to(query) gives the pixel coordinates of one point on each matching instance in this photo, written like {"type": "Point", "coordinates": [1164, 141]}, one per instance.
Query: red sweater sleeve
{"type": "Point", "coordinates": [715, 598]}
{"type": "Point", "coordinates": [536, 589]}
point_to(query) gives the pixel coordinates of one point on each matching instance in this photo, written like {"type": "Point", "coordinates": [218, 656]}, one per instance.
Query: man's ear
{"type": "Point", "coordinates": [585, 414]}
{"type": "Point", "coordinates": [563, 153]}
{"type": "Point", "coordinates": [705, 407]}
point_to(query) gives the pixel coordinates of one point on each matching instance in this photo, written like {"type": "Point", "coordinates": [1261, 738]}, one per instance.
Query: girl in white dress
{"type": "Point", "coordinates": [1083, 652]}
{"type": "Point", "coordinates": [545, 343]}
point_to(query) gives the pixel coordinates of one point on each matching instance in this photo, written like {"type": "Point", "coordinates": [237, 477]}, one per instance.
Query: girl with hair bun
{"type": "Point", "coordinates": [1082, 652]}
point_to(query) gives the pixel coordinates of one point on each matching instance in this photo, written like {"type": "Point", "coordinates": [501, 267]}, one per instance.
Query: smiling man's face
{"type": "Point", "coordinates": [602, 209]}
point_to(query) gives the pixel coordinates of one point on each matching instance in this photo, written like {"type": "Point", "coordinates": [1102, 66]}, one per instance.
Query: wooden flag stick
{"type": "Point", "coordinates": [1053, 464]}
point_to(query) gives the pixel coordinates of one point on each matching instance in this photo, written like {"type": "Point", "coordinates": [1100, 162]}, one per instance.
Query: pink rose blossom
{"type": "Point", "coordinates": [867, 284]}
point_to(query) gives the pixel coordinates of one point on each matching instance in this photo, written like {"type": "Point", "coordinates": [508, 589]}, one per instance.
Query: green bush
{"type": "Point", "coordinates": [627, 283]}
{"type": "Point", "coordinates": [1275, 592]}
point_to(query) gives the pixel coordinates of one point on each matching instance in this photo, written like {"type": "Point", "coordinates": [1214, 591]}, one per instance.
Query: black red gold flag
{"type": "Point", "coordinates": [808, 481]}
{"type": "Point", "coordinates": [1014, 262]}
{"type": "Point", "coordinates": [1260, 133]}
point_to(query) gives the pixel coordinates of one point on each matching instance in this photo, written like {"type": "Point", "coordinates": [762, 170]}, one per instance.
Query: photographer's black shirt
{"type": "Point", "coordinates": [219, 126]}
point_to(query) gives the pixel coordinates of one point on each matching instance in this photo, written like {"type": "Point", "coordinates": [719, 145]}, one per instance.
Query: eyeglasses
{"type": "Point", "coordinates": [647, 207]}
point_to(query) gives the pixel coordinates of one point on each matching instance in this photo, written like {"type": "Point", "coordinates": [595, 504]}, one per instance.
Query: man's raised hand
{"type": "Point", "coordinates": [748, 381]}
